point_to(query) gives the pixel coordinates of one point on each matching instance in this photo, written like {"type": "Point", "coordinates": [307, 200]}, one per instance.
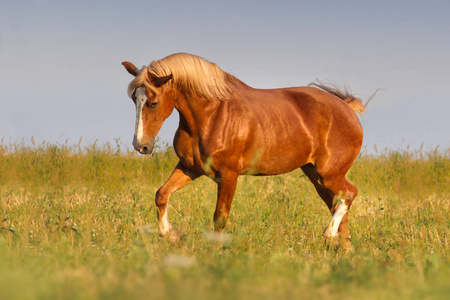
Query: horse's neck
{"type": "Point", "coordinates": [196, 113]}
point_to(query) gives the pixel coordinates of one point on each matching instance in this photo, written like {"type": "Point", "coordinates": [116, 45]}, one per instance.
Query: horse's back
{"type": "Point", "coordinates": [295, 125]}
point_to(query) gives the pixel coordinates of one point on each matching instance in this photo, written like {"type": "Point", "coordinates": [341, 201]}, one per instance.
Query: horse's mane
{"type": "Point", "coordinates": [191, 74]}
{"type": "Point", "coordinates": [343, 93]}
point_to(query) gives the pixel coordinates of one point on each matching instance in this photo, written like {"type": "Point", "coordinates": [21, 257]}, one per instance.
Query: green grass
{"type": "Point", "coordinates": [79, 224]}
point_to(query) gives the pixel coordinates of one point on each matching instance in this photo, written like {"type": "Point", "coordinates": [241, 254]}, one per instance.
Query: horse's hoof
{"type": "Point", "coordinates": [174, 236]}
{"type": "Point", "coordinates": [333, 242]}
{"type": "Point", "coordinates": [337, 243]}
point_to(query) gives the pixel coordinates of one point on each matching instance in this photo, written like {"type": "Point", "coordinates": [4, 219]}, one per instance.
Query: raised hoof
{"type": "Point", "coordinates": [174, 236]}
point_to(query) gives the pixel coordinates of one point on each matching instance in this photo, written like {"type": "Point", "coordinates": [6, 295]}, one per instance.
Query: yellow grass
{"type": "Point", "coordinates": [80, 224]}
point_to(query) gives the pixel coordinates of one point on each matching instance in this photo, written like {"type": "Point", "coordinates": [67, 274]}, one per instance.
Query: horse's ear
{"type": "Point", "coordinates": [159, 81]}
{"type": "Point", "coordinates": [130, 68]}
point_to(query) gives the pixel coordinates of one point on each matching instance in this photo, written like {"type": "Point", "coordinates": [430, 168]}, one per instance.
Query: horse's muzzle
{"type": "Point", "coordinates": [145, 147]}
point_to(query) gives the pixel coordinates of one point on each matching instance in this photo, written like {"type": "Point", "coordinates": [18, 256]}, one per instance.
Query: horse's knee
{"type": "Point", "coordinates": [161, 198]}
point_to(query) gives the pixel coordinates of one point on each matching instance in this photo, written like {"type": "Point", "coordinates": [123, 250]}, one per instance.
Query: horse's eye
{"type": "Point", "coordinates": [152, 104]}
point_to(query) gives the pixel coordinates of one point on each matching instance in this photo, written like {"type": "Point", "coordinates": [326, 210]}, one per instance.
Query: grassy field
{"type": "Point", "coordinates": [80, 224]}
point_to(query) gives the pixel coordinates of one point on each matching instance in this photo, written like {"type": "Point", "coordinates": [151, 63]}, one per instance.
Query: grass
{"type": "Point", "coordinates": [79, 224]}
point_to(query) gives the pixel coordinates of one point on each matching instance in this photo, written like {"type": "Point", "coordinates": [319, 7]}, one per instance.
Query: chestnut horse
{"type": "Point", "coordinates": [228, 128]}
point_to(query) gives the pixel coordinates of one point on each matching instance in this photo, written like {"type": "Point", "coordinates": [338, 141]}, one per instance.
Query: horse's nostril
{"type": "Point", "coordinates": [144, 149]}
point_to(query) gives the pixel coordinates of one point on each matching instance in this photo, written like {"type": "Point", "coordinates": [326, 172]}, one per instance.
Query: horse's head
{"type": "Point", "coordinates": [153, 106]}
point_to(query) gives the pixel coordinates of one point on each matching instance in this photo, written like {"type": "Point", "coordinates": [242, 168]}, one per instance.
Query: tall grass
{"type": "Point", "coordinates": [79, 223]}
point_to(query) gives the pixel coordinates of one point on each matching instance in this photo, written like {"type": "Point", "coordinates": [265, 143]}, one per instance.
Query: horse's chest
{"type": "Point", "coordinates": [183, 149]}
{"type": "Point", "coordinates": [187, 149]}
{"type": "Point", "coordinates": [193, 154]}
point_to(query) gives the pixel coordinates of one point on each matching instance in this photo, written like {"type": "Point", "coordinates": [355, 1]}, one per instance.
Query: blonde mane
{"type": "Point", "coordinates": [192, 75]}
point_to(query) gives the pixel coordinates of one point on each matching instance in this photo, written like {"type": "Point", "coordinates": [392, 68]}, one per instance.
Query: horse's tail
{"type": "Point", "coordinates": [354, 102]}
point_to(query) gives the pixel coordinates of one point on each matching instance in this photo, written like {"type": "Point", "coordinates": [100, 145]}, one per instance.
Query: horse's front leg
{"type": "Point", "coordinates": [225, 192]}
{"type": "Point", "coordinates": [179, 178]}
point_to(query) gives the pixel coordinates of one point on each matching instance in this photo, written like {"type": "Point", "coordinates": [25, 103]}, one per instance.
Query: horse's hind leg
{"type": "Point", "coordinates": [344, 193]}
{"type": "Point", "coordinates": [324, 193]}
{"type": "Point", "coordinates": [338, 194]}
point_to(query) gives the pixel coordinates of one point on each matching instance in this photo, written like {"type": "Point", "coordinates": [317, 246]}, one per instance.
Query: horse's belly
{"type": "Point", "coordinates": [280, 160]}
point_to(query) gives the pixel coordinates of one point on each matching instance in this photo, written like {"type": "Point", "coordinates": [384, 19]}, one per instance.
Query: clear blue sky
{"type": "Point", "coordinates": [61, 77]}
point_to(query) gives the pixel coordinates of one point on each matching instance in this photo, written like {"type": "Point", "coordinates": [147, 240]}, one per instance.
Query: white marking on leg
{"type": "Point", "coordinates": [332, 229]}
{"type": "Point", "coordinates": [141, 98]}
{"type": "Point", "coordinates": [163, 224]}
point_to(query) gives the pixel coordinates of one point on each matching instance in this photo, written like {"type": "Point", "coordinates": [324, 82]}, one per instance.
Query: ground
{"type": "Point", "coordinates": [81, 224]}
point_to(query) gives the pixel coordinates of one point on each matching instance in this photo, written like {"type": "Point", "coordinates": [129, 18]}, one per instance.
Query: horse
{"type": "Point", "coordinates": [227, 129]}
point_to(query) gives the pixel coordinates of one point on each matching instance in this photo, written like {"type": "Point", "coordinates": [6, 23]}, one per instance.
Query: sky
{"type": "Point", "coordinates": [61, 76]}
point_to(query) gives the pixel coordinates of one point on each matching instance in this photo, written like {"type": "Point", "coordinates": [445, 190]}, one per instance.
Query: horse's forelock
{"type": "Point", "coordinates": [142, 79]}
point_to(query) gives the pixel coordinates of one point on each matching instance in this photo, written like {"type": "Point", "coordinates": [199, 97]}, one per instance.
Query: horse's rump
{"type": "Point", "coordinates": [343, 93]}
